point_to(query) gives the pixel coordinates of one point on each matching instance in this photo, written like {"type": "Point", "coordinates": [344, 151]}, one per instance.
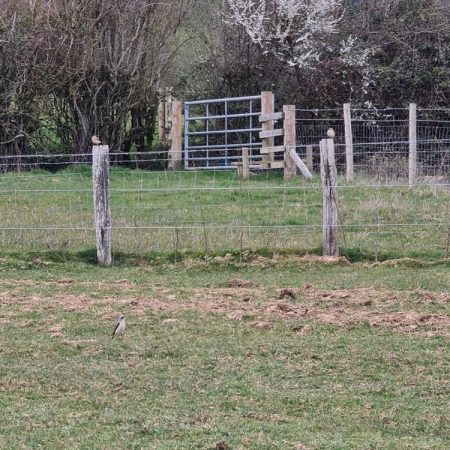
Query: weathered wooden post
{"type": "Point", "coordinates": [267, 107]}
{"type": "Point", "coordinates": [245, 163]}
{"type": "Point", "coordinates": [328, 173]}
{"type": "Point", "coordinates": [175, 152]}
{"type": "Point", "coordinates": [412, 172]}
{"type": "Point", "coordinates": [290, 169]}
{"type": "Point", "coordinates": [348, 142]}
{"type": "Point", "coordinates": [243, 169]}
{"type": "Point", "coordinates": [102, 215]}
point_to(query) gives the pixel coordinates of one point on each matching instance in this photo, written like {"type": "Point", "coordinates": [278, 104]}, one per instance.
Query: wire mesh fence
{"type": "Point", "coordinates": [46, 203]}
{"type": "Point", "coordinates": [381, 140]}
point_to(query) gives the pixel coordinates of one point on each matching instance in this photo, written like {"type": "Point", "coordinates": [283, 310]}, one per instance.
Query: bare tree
{"type": "Point", "coordinates": [96, 64]}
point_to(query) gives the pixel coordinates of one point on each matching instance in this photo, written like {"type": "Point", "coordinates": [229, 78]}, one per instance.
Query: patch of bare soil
{"type": "Point", "coordinates": [403, 311]}
{"type": "Point", "coordinates": [236, 282]}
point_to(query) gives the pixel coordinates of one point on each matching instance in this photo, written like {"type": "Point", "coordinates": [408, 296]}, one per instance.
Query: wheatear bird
{"type": "Point", "coordinates": [120, 326]}
{"type": "Point", "coordinates": [95, 140]}
{"type": "Point", "coordinates": [330, 133]}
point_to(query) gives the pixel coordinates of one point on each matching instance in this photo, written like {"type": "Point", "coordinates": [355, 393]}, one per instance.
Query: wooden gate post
{"type": "Point", "coordinates": [175, 153]}
{"type": "Point", "coordinates": [328, 173]}
{"type": "Point", "coordinates": [102, 215]}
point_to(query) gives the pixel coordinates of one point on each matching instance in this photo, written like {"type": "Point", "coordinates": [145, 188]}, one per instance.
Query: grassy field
{"type": "Point", "coordinates": [213, 212]}
{"type": "Point", "coordinates": [286, 353]}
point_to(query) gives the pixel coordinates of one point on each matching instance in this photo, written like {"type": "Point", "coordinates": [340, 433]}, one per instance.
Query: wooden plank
{"type": "Point", "coordinates": [273, 165]}
{"type": "Point", "coordinates": [328, 174]}
{"type": "Point", "coordinates": [348, 141]}
{"type": "Point", "coordinates": [271, 116]}
{"type": "Point", "coordinates": [292, 154]}
{"type": "Point", "coordinates": [102, 214]}
{"type": "Point", "coordinates": [277, 164]}
{"type": "Point", "coordinates": [271, 133]}
{"type": "Point", "coordinates": [279, 148]}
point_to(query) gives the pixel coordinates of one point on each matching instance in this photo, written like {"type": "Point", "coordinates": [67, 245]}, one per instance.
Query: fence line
{"type": "Point", "coordinates": [379, 213]}
{"type": "Point", "coordinates": [177, 211]}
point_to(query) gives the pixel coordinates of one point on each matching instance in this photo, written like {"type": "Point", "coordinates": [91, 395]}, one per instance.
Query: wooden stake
{"type": "Point", "coordinates": [290, 151]}
{"type": "Point", "coordinates": [102, 215]}
{"type": "Point", "coordinates": [412, 175]}
{"type": "Point", "coordinates": [245, 171]}
{"type": "Point", "coordinates": [289, 141]}
{"type": "Point", "coordinates": [348, 141]}
{"type": "Point", "coordinates": [328, 173]}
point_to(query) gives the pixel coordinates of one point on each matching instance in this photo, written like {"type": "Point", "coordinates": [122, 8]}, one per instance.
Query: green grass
{"type": "Point", "coordinates": [211, 212]}
{"type": "Point", "coordinates": [202, 377]}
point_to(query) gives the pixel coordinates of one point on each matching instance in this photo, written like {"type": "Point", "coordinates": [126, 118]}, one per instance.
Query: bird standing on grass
{"type": "Point", "coordinates": [120, 326]}
{"type": "Point", "coordinates": [95, 140]}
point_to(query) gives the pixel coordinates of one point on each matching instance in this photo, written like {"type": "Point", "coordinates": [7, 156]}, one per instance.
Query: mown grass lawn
{"type": "Point", "coordinates": [224, 353]}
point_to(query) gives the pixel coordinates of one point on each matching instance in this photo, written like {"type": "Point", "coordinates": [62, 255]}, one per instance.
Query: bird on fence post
{"type": "Point", "coordinates": [95, 140]}
{"type": "Point", "coordinates": [330, 133]}
{"type": "Point", "coordinates": [120, 326]}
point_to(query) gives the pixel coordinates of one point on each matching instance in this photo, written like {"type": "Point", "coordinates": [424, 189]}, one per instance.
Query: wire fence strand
{"type": "Point", "coordinates": [46, 201]}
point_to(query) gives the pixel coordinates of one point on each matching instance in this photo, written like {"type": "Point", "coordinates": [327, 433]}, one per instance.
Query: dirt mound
{"type": "Point", "coordinates": [236, 282]}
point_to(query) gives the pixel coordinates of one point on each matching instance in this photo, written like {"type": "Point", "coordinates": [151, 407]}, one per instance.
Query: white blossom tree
{"type": "Point", "coordinates": [294, 31]}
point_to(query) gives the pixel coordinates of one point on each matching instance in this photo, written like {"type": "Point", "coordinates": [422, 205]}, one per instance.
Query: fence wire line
{"type": "Point", "coordinates": [163, 211]}
{"type": "Point", "coordinates": [215, 210]}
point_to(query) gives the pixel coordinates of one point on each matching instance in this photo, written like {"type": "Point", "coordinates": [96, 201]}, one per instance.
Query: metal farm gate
{"type": "Point", "coordinates": [216, 130]}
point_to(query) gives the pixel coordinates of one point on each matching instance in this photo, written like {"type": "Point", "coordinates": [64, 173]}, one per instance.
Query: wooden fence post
{"type": "Point", "coordinates": [328, 173]}
{"type": "Point", "coordinates": [412, 163]}
{"type": "Point", "coordinates": [290, 169]}
{"type": "Point", "coordinates": [102, 215]}
{"type": "Point", "coordinates": [348, 142]}
{"type": "Point", "coordinates": [175, 152]}
{"type": "Point", "coordinates": [242, 167]}
{"type": "Point", "coordinates": [267, 107]}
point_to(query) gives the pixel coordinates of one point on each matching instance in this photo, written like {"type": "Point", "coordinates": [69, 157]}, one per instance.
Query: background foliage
{"type": "Point", "coordinates": [69, 69]}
